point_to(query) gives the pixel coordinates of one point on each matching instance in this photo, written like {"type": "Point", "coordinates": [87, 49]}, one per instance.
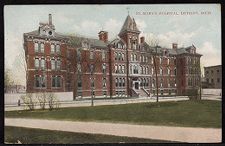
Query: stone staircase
{"type": "Point", "coordinates": [143, 93]}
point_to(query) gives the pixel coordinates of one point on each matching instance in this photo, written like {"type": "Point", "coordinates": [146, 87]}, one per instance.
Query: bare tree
{"type": "Point", "coordinates": [154, 42]}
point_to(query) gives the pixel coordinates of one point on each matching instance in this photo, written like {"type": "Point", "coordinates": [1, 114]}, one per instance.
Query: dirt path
{"type": "Point", "coordinates": [181, 134]}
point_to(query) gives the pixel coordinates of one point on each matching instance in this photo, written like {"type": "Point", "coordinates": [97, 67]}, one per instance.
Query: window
{"type": "Point", "coordinates": [120, 82]}
{"type": "Point", "coordinates": [132, 57]}
{"type": "Point", "coordinates": [135, 69]}
{"type": "Point", "coordinates": [116, 55]}
{"type": "Point", "coordinates": [40, 63]}
{"type": "Point", "coordinates": [123, 82]}
{"type": "Point", "coordinates": [147, 81]}
{"type": "Point", "coordinates": [160, 60]}
{"type": "Point", "coordinates": [91, 68]}
{"type": "Point", "coordinates": [135, 57]}
{"type": "Point", "coordinates": [207, 80]}
{"type": "Point", "coordinates": [52, 48]}
{"type": "Point", "coordinates": [218, 71]}
{"type": "Point", "coordinates": [123, 68]}
{"type": "Point", "coordinates": [104, 82]}
{"type": "Point", "coordinates": [91, 55]}
{"type": "Point", "coordinates": [56, 81]}
{"type": "Point", "coordinates": [146, 59]}
{"type": "Point", "coordinates": [120, 56]}
{"type": "Point", "coordinates": [211, 71]}
{"type": "Point", "coordinates": [39, 47]}
{"type": "Point", "coordinates": [104, 68]}
{"type": "Point", "coordinates": [36, 47]}
{"type": "Point", "coordinates": [58, 49]}
{"type": "Point", "coordinates": [116, 68]}
{"type": "Point", "coordinates": [212, 81]}
{"type": "Point", "coordinates": [58, 65]}
{"type": "Point", "coordinates": [175, 71]}
{"type": "Point", "coordinates": [43, 63]}
{"type": "Point", "coordinates": [42, 48]}
{"type": "Point", "coordinates": [152, 71]}
{"type": "Point", "coordinates": [40, 81]}
{"type": "Point", "coordinates": [36, 63]}
{"type": "Point", "coordinates": [116, 82]}
{"type": "Point", "coordinates": [160, 71]}
{"type": "Point", "coordinates": [103, 55]}
{"type": "Point", "coordinates": [168, 61]}
{"type": "Point", "coordinates": [168, 71]}
{"type": "Point", "coordinates": [120, 69]}
{"type": "Point", "coordinates": [147, 70]}
{"type": "Point", "coordinates": [207, 72]}
{"type": "Point", "coordinates": [123, 56]}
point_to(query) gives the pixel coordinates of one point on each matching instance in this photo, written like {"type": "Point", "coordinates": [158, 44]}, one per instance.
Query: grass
{"type": "Point", "coordinates": [204, 113]}
{"type": "Point", "coordinates": [40, 136]}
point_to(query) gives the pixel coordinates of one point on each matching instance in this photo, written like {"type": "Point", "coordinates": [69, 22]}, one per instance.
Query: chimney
{"type": "Point", "coordinates": [103, 36]}
{"type": "Point", "coordinates": [174, 45]}
{"type": "Point", "coordinates": [142, 39]}
{"type": "Point", "coordinates": [50, 19]}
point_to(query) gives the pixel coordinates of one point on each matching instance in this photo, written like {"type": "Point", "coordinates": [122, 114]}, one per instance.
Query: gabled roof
{"type": "Point", "coordinates": [76, 41]}
{"type": "Point", "coordinates": [129, 25]}
{"type": "Point", "coordinates": [36, 33]}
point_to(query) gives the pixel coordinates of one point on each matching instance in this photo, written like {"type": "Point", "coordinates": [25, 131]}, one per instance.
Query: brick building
{"type": "Point", "coordinates": [123, 66]}
{"type": "Point", "coordinates": [213, 76]}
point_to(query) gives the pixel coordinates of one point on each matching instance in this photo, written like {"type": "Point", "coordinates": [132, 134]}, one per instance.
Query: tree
{"type": "Point", "coordinates": [8, 80]}
{"type": "Point", "coordinates": [154, 43]}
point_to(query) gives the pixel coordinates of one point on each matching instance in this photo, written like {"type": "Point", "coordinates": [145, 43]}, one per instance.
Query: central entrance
{"type": "Point", "coordinates": [136, 85]}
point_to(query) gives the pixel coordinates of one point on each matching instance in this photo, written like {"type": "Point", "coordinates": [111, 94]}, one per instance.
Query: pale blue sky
{"type": "Point", "coordinates": [204, 31]}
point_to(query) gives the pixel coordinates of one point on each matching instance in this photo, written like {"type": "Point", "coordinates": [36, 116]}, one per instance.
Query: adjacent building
{"type": "Point", "coordinates": [213, 76]}
{"type": "Point", "coordinates": [123, 66]}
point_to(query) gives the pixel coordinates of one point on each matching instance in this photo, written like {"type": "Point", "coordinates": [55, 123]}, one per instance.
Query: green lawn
{"type": "Point", "coordinates": [205, 113]}
{"type": "Point", "coordinates": [39, 136]}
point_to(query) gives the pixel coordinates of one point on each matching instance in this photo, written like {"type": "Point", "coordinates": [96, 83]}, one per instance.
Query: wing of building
{"type": "Point", "coordinates": [121, 67]}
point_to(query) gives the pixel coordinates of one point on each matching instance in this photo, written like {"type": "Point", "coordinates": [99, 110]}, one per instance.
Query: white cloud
{"type": "Point", "coordinates": [87, 28]}
{"type": "Point", "coordinates": [210, 54]}
{"type": "Point", "coordinates": [141, 24]}
{"type": "Point", "coordinates": [113, 26]}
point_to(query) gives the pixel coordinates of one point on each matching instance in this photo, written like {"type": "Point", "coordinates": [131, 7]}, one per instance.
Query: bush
{"type": "Point", "coordinates": [41, 97]}
{"type": "Point", "coordinates": [52, 100]}
{"type": "Point", "coordinates": [28, 101]}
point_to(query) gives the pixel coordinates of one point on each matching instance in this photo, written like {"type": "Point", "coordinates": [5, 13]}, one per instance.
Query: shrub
{"type": "Point", "coordinates": [52, 100]}
{"type": "Point", "coordinates": [41, 97]}
{"type": "Point", "coordinates": [28, 101]}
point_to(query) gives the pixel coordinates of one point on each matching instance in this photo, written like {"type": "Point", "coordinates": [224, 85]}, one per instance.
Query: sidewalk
{"type": "Point", "coordinates": [180, 134]}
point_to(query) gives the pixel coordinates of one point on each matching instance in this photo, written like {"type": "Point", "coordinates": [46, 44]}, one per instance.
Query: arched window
{"type": "Point", "coordinates": [168, 71]}
{"type": "Point", "coordinates": [143, 58]}
{"type": "Point", "coordinates": [153, 82]}
{"type": "Point", "coordinates": [120, 82]}
{"type": "Point", "coordinates": [116, 68]}
{"type": "Point", "coordinates": [123, 56]}
{"type": "Point", "coordinates": [141, 82]}
{"type": "Point", "coordinates": [123, 68]}
{"type": "Point", "coordinates": [132, 57]}
{"type": "Point", "coordinates": [116, 54]}
{"type": "Point", "coordinates": [135, 57]}
{"type": "Point", "coordinates": [160, 71]}
{"type": "Point", "coordinates": [116, 81]}
{"type": "Point", "coordinates": [147, 70]}
{"type": "Point", "coordinates": [120, 69]}
{"type": "Point", "coordinates": [142, 70]}
{"type": "Point", "coordinates": [36, 47]}
{"type": "Point", "coordinates": [160, 60]}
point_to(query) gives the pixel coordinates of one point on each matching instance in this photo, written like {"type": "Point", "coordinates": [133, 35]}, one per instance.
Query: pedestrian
{"type": "Point", "coordinates": [19, 102]}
